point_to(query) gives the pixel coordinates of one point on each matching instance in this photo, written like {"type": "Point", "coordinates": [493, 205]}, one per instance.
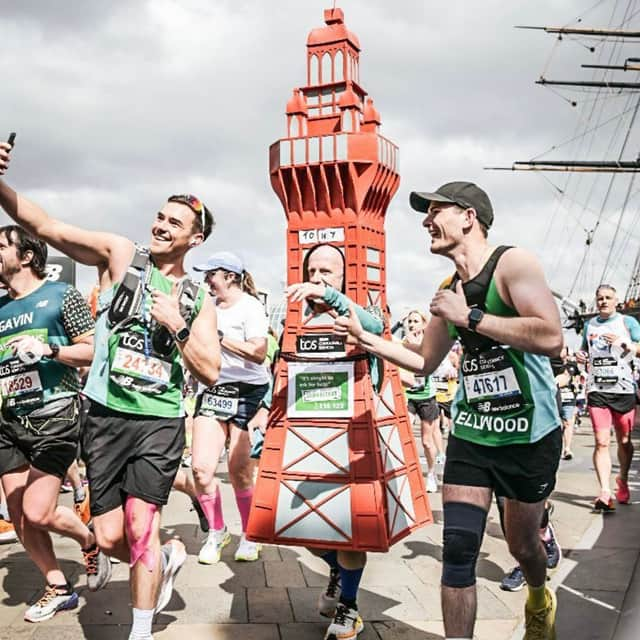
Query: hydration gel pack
{"type": "Point", "coordinates": [128, 296]}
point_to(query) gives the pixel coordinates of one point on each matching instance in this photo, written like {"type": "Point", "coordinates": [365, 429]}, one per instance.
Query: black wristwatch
{"type": "Point", "coordinates": [55, 350]}
{"type": "Point", "coordinates": [475, 315]}
{"type": "Point", "coordinates": [182, 335]}
{"type": "Point", "coordinates": [220, 335]}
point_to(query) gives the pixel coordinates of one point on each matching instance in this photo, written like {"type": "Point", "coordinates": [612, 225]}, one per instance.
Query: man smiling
{"type": "Point", "coordinates": [505, 436]}
{"type": "Point", "coordinates": [152, 325]}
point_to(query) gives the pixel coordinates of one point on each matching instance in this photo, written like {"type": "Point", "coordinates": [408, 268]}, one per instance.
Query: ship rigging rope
{"type": "Point", "coordinates": [588, 250]}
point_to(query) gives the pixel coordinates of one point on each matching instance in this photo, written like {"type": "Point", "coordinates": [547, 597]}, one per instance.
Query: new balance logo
{"type": "Point", "coordinates": [42, 303]}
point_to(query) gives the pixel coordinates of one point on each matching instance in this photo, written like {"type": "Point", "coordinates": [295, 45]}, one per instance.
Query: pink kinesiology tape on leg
{"type": "Point", "coordinates": [139, 546]}
{"type": "Point", "coordinates": [243, 499]}
{"type": "Point", "coordinates": [211, 504]}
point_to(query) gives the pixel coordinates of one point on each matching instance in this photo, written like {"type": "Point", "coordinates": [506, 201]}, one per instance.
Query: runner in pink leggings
{"type": "Point", "coordinates": [609, 343]}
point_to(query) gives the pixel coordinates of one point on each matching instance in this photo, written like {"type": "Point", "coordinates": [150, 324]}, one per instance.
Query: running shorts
{"type": "Point", "coordinates": [48, 443]}
{"type": "Point", "coordinates": [524, 472]}
{"type": "Point", "coordinates": [128, 454]}
{"type": "Point", "coordinates": [425, 409]}
{"type": "Point", "coordinates": [235, 402]}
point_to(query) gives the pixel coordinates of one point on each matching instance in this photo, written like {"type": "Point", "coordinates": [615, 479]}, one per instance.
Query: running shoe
{"type": "Point", "coordinates": [66, 487]}
{"type": "Point", "coordinates": [247, 551]}
{"type": "Point", "coordinates": [7, 532]}
{"type": "Point", "coordinates": [328, 600]}
{"type": "Point", "coordinates": [567, 455]}
{"type": "Point", "coordinates": [214, 544]}
{"type": "Point", "coordinates": [186, 461]}
{"type": "Point", "coordinates": [82, 508]}
{"type": "Point", "coordinates": [604, 504]}
{"type": "Point", "coordinates": [623, 495]}
{"type": "Point", "coordinates": [54, 599]}
{"type": "Point", "coordinates": [541, 624]}
{"type": "Point", "coordinates": [197, 507]}
{"type": "Point", "coordinates": [174, 556]}
{"type": "Point", "coordinates": [551, 546]}
{"type": "Point", "coordinates": [347, 624]}
{"type": "Point", "coordinates": [514, 580]}
{"type": "Point", "coordinates": [98, 567]}
{"type": "Point", "coordinates": [432, 482]}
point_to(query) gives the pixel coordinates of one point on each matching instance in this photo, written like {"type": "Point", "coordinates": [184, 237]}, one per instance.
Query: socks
{"type": "Point", "coordinates": [331, 558]}
{"type": "Point", "coordinates": [537, 599]}
{"type": "Point", "coordinates": [211, 504]}
{"type": "Point", "coordinates": [349, 583]}
{"type": "Point", "coordinates": [141, 627]}
{"type": "Point", "coordinates": [243, 500]}
{"type": "Point", "coordinates": [4, 511]}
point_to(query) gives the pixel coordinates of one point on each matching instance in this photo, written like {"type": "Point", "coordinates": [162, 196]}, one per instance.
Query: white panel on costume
{"type": "Point", "coordinates": [322, 319]}
{"type": "Point", "coordinates": [391, 448]}
{"type": "Point", "coordinates": [294, 447]}
{"type": "Point", "coordinates": [399, 491]}
{"type": "Point", "coordinates": [311, 525]}
{"type": "Point", "coordinates": [315, 462]}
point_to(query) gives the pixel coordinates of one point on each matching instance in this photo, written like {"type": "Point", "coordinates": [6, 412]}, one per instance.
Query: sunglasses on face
{"type": "Point", "coordinates": [195, 204]}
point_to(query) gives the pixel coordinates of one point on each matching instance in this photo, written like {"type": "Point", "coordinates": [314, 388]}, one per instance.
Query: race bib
{"type": "Point", "coordinates": [567, 396]}
{"type": "Point", "coordinates": [490, 382]}
{"type": "Point", "coordinates": [20, 385]}
{"type": "Point", "coordinates": [132, 368]}
{"type": "Point", "coordinates": [605, 370]}
{"type": "Point", "coordinates": [221, 401]}
{"type": "Point", "coordinates": [442, 384]}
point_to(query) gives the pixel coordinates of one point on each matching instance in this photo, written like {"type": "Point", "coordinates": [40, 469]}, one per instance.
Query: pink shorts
{"type": "Point", "coordinates": [605, 418]}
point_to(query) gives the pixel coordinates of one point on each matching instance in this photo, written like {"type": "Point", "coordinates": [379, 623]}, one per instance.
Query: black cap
{"type": "Point", "coordinates": [464, 194]}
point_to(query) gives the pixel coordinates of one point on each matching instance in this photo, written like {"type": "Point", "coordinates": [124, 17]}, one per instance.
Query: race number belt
{"type": "Point", "coordinates": [220, 401]}
{"type": "Point", "coordinates": [605, 370]}
{"type": "Point", "coordinates": [567, 396]}
{"type": "Point", "coordinates": [490, 382]}
{"type": "Point", "coordinates": [20, 385]}
{"type": "Point", "coordinates": [132, 368]}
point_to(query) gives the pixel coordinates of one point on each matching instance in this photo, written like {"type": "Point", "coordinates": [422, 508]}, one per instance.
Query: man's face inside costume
{"type": "Point", "coordinates": [325, 266]}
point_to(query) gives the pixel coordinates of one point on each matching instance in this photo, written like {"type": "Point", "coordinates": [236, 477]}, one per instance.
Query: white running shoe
{"type": "Point", "coordinates": [247, 551]}
{"type": "Point", "coordinates": [432, 482]}
{"type": "Point", "coordinates": [50, 603]}
{"type": "Point", "coordinates": [346, 625]}
{"type": "Point", "coordinates": [214, 544]}
{"type": "Point", "coordinates": [174, 554]}
{"type": "Point", "coordinates": [328, 600]}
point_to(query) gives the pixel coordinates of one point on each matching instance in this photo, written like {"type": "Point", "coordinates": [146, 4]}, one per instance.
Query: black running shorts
{"type": "Point", "coordinates": [127, 454]}
{"type": "Point", "coordinates": [426, 409]}
{"type": "Point", "coordinates": [524, 472]}
{"type": "Point", "coordinates": [47, 443]}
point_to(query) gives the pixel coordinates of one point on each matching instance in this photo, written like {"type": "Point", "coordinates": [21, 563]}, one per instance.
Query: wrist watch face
{"type": "Point", "coordinates": [183, 334]}
{"type": "Point", "coordinates": [475, 315]}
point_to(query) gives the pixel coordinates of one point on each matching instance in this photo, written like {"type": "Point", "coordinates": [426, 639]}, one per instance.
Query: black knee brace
{"type": "Point", "coordinates": [463, 530]}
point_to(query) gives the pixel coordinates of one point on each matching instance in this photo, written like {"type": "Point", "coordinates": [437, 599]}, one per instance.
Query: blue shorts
{"type": "Point", "coordinates": [568, 411]}
{"type": "Point", "coordinates": [235, 402]}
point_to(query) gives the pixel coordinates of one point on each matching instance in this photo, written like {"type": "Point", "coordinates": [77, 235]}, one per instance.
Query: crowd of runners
{"type": "Point", "coordinates": [175, 379]}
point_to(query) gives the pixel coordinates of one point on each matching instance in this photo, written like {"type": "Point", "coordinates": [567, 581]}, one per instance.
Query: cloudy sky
{"type": "Point", "coordinates": [119, 104]}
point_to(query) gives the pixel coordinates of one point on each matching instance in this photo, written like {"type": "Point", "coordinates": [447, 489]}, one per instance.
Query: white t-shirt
{"type": "Point", "coordinates": [242, 321]}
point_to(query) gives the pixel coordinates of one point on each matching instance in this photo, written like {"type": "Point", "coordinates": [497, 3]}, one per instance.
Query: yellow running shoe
{"type": "Point", "coordinates": [541, 624]}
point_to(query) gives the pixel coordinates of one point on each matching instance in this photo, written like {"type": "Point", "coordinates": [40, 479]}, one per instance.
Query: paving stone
{"type": "Point", "coordinates": [205, 606]}
{"type": "Point", "coordinates": [283, 574]}
{"type": "Point", "coordinates": [269, 605]}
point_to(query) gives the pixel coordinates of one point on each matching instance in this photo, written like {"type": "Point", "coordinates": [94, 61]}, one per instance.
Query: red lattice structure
{"type": "Point", "coordinates": [339, 467]}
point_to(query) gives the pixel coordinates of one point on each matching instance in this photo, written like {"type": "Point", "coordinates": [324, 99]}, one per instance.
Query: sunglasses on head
{"type": "Point", "coordinates": [195, 204]}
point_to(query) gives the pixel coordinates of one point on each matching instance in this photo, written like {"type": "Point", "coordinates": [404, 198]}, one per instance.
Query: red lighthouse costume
{"type": "Point", "coordinates": [339, 467]}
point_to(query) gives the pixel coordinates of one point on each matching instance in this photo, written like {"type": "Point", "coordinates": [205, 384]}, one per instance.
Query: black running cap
{"type": "Point", "coordinates": [465, 194]}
